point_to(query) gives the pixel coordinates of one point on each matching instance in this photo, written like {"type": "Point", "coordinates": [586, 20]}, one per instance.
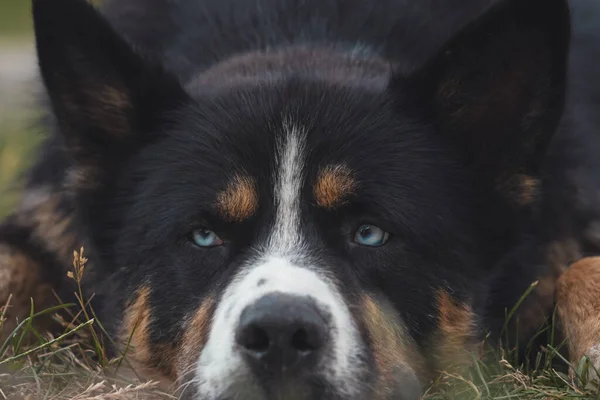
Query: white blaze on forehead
{"type": "Point", "coordinates": [220, 371]}
{"type": "Point", "coordinates": [286, 238]}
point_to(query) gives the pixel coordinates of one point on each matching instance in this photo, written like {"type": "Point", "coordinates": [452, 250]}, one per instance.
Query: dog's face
{"type": "Point", "coordinates": [283, 239]}
{"type": "Point", "coordinates": [300, 237]}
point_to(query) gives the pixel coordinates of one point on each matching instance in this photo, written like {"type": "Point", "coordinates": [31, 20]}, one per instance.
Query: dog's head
{"type": "Point", "coordinates": [307, 232]}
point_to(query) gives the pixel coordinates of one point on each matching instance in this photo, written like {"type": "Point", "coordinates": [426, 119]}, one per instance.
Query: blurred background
{"type": "Point", "coordinates": [19, 134]}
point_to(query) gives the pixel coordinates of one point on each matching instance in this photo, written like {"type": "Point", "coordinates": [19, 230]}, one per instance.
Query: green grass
{"type": "Point", "coordinates": [18, 141]}
{"type": "Point", "coordinates": [500, 378]}
{"type": "Point", "coordinates": [17, 137]}
{"type": "Point", "coordinates": [73, 365]}
{"type": "Point", "coordinates": [15, 20]}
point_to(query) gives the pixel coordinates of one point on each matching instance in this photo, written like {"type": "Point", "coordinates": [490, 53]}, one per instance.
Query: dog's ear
{"type": "Point", "coordinates": [497, 88]}
{"type": "Point", "coordinates": [106, 99]}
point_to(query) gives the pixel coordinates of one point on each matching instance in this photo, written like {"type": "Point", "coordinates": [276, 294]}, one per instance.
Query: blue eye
{"type": "Point", "coordinates": [206, 238]}
{"type": "Point", "coordinates": [371, 235]}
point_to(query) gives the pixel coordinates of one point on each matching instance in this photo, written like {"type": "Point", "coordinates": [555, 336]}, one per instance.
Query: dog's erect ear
{"type": "Point", "coordinates": [496, 90]}
{"type": "Point", "coordinates": [105, 97]}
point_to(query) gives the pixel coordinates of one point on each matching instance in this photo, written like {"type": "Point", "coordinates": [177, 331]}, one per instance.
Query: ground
{"type": "Point", "coordinates": [74, 366]}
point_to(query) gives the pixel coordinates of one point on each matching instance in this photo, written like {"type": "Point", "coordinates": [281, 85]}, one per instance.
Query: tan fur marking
{"type": "Point", "coordinates": [40, 209]}
{"type": "Point", "coordinates": [334, 184]}
{"type": "Point", "coordinates": [578, 309]}
{"type": "Point", "coordinates": [169, 363]}
{"type": "Point", "coordinates": [21, 281]}
{"type": "Point", "coordinates": [136, 323]}
{"type": "Point", "coordinates": [83, 176]}
{"type": "Point", "coordinates": [528, 188]}
{"type": "Point", "coordinates": [195, 336]}
{"type": "Point", "coordinates": [521, 190]}
{"type": "Point", "coordinates": [112, 111]}
{"type": "Point", "coordinates": [153, 362]}
{"type": "Point", "coordinates": [393, 349]}
{"type": "Point", "coordinates": [114, 97]}
{"type": "Point", "coordinates": [107, 106]}
{"type": "Point", "coordinates": [239, 200]}
{"type": "Point", "coordinates": [457, 327]}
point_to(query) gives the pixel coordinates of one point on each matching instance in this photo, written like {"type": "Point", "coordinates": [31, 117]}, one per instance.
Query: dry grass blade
{"type": "Point", "coordinates": [74, 366]}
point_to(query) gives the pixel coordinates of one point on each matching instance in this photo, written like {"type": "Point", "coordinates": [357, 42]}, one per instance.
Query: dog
{"type": "Point", "coordinates": [322, 199]}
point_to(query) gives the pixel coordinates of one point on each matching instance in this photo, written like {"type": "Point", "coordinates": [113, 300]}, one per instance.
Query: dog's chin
{"type": "Point", "coordinates": [313, 387]}
{"type": "Point", "coordinates": [294, 387]}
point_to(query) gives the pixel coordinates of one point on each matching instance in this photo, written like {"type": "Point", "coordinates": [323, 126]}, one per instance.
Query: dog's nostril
{"type": "Point", "coordinates": [255, 339]}
{"type": "Point", "coordinates": [302, 341]}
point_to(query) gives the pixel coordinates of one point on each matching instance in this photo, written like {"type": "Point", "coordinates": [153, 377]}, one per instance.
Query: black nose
{"type": "Point", "coordinates": [280, 332]}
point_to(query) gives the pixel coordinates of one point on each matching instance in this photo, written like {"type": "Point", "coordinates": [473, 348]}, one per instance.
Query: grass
{"type": "Point", "coordinates": [74, 365]}
{"type": "Point", "coordinates": [15, 20]}
{"type": "Point", "coordinates": [17, 138]}
{"type": "Point", "coordinates": [18, 142]}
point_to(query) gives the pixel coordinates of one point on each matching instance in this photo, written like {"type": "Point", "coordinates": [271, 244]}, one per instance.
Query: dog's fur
{"type": "Point", "coordinates": [284, 126]}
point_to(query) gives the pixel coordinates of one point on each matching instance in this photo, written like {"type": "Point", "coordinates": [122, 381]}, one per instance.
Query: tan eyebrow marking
{"type": "Point", "coordinates": [239, 200]}
{"type": "Point", "coordinates": [334, 184]}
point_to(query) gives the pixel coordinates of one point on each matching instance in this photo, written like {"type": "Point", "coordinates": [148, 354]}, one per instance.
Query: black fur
{"type": "Point", "coordinates": [438, 107]}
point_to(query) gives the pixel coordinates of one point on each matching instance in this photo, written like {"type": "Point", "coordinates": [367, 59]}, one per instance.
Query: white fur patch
{"type": "Point", "coordinates": [220, 361]}
{"type": "Point", "coordinates": [286, 238]}
{"type": "Point", "coordinates": [283, 267]}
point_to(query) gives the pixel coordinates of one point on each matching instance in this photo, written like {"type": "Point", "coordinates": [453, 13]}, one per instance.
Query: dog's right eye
{"type": "Point", "coordinates": [371, 235]}
{"type": "Point", "coordinates": [206, 238]}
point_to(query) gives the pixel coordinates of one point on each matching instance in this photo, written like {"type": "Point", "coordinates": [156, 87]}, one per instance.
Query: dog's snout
{"type": "Point", "coordinates": [280, 332]}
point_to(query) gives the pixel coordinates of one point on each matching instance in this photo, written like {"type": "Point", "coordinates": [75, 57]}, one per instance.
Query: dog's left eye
{"type": "Point", "coordinates": [206, 238]}
{"type": "Point", "coordinates": [371, 235]}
